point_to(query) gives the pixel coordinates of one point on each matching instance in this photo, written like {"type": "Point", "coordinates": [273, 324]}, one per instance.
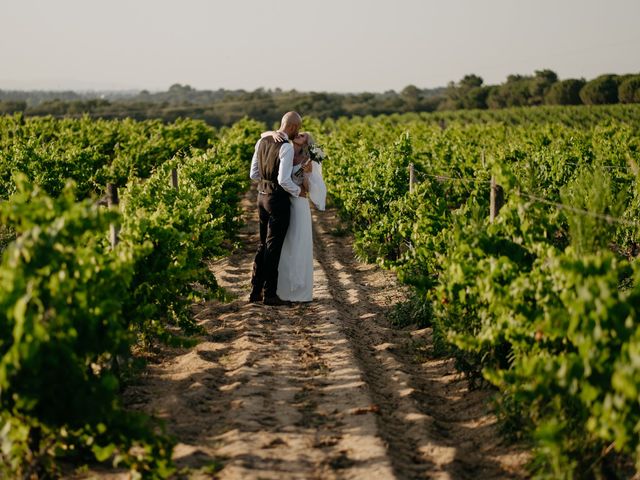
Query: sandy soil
{"type": "Point", "coordinates": [325, 390]}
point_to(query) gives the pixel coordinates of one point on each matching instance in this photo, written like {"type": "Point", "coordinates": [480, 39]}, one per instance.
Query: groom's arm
{"type": "Point", "coordinates": [284, 172]}
{"type": "Point", "coordinates": [254, 173]}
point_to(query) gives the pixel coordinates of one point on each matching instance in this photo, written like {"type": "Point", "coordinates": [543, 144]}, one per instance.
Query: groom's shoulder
{"type": "Point", "coordinates": [268, 142]}
{"type": "Point", "coordinates": [271, 140]}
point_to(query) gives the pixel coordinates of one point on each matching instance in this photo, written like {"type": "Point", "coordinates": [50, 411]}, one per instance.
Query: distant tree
{"type": "Point", "coordinates": [540, 84]}
{"type": "Point", "coordinates": [470, 81]}
{"type": "Point", "coordinates": [390, 102]}
{"type": "Point", "coordinates": [601, 90]}
{"type": "Point", "coordinates": [452, 98]}
{"type": "Point", "coordinates": [457, 94]}
{"type": "Point", "coordinates": [10, 107]}
{"type": "Point", "coordinates": [495, 99]}
{"type": "Point", "coordinates": [620, 79]}
{"type": "Point", "coordinates": [177, 88]}
{"type": "Point", "coordinates": [476, 98]}
{"type": "Point", "coordinates": [548, 76]}
{"type": "Point", "coordinates": [431, 103]}
{"type": "Point", "coordinates": [515, 78]}
{"type": "Point", "coordinates": [410, 91]}
{"type": "Point", "coordinates": [629, 90]}
{"type": "Point", "coordinates": [515, 92]}
{"type": "Point", "coordinates": [565, 92]}
{"type": "Point", "coordinates": [411, 96]}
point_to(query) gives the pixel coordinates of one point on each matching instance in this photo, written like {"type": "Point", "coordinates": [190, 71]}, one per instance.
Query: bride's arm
{"type": "Point", "coordinates": [277, 136]}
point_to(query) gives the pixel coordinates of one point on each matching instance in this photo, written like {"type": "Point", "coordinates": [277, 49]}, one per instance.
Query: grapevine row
{"type": "Point", "coordinates": [543, 303]}
{"type": "Point", "coordinates": [72, 307]}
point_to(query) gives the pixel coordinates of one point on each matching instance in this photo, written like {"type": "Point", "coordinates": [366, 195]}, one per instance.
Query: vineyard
{"type": "Point", "coordinates": [539, 304]}
{"type": "Point", "coordinates": [543, 302]}
{"type": "Point", "coordinates": [73, 305]}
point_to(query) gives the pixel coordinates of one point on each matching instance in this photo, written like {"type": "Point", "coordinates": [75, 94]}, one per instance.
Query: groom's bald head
{"type": "Point", "coordinates": [291, 123]}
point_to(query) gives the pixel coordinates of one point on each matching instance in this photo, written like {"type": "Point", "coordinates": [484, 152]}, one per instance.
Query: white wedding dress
{"type": "Point", "coordinates": [295, 270]}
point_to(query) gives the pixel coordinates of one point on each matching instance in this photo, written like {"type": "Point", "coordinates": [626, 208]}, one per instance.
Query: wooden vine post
{"type": "Point", "coordinates": [496, 199]}
{"type": "Point", "coordinates": [412, 178]}
{"type": "Point", "coordinates": [174, 178]}
{"type": "Point", "coordinates": [113, 202]}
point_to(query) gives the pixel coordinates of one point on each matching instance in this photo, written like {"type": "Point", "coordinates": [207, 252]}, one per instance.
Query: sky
{"type": "Point", "coordinates": [329, 45]}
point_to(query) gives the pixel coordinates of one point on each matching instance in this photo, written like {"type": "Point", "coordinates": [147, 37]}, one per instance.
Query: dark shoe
{"type": "Point", "coordinates": [256, 294]}
{"type": "Point", "coordinates": [255, 297]}
{"type": "Point", "coordinates": [275, 301]}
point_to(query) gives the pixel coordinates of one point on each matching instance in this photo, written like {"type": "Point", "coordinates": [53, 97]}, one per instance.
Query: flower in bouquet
{"type": "Point", "coordinates": [316, 153]}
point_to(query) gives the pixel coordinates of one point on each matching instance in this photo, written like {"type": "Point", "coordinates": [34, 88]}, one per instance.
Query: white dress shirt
{"type": "Point", "coordinates": [284, 171]}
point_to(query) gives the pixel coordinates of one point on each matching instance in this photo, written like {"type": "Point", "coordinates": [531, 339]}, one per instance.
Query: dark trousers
{"type": "Point", "coordinates": [274, 211]}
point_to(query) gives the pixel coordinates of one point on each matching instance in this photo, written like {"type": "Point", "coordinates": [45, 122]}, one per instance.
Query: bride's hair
{"type": "Point", "coordinates": [310, 139]}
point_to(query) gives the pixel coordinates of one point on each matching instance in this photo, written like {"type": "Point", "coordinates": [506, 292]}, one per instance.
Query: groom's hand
{"type": "Point", "coordinates": [303, 191]}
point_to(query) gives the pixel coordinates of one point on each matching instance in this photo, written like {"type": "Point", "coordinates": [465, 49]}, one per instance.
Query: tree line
{"type": "Point", "coordinates": [542, 88]}
{"type": "Point", "coordinates": [224, 107]}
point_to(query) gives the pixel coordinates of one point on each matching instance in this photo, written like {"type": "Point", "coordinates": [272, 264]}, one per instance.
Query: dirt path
{"type": "Point", "coordinates": [319, 391]}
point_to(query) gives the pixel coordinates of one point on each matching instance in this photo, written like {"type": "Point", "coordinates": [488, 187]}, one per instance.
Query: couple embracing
{"type": "Point", "coordinates": [286, 165]}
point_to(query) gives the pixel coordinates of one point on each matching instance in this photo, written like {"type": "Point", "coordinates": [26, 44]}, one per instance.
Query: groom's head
{"type": "Point", "coordinates": [291, 123]}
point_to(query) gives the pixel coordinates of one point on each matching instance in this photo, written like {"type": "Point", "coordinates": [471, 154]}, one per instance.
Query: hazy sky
{"type": "Point", "coordinates": [332, 45]}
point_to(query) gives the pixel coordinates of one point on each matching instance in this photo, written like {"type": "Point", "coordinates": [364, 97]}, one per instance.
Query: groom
{"type": "Point", "coordinates": [271, 166]}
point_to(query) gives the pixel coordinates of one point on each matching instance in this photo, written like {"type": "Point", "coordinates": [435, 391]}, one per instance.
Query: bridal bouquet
{"type": "Point", "coordinates": [316, 153]}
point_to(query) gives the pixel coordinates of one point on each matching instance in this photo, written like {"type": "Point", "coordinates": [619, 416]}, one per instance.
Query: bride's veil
{"type": "Point", "coordinates": [317, 188]}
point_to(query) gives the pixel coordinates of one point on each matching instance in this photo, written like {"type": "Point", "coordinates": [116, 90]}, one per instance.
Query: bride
{"type": "Point", "coordinates": [295, 270]}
